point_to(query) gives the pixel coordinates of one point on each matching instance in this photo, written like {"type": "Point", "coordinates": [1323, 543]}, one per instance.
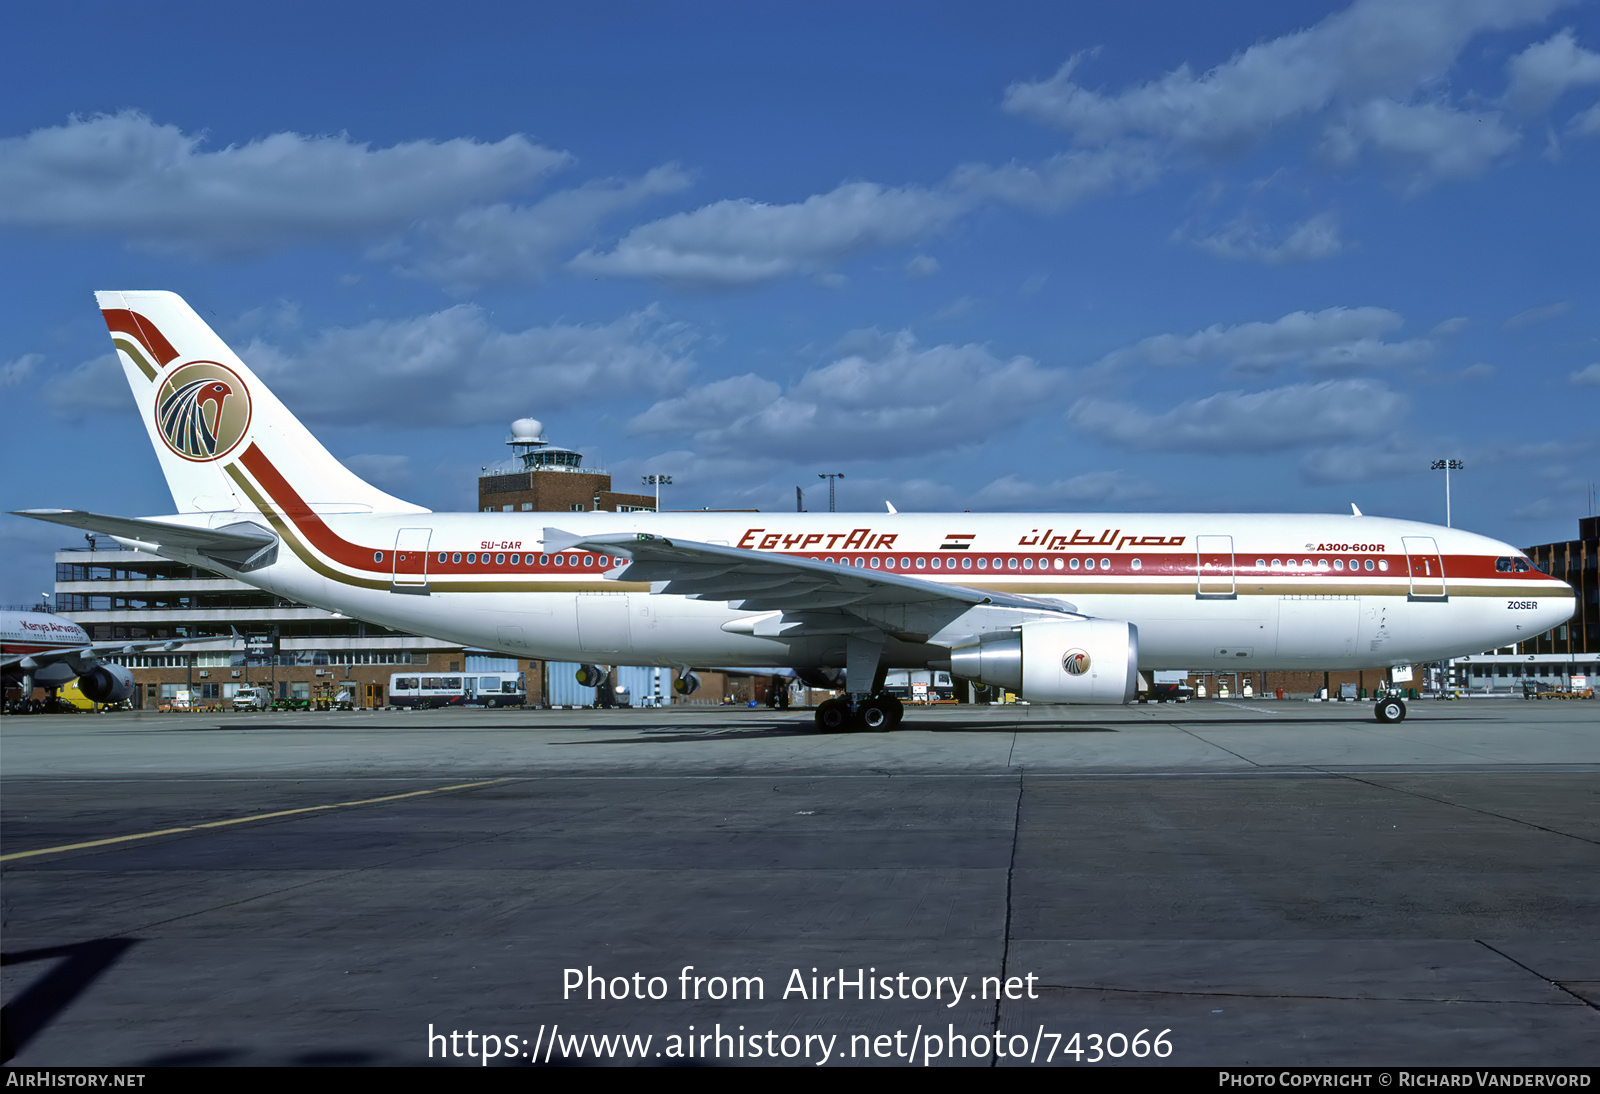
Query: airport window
{"type": "Point", "coordinates": [499, 560]}
{"type": "Point", "coordinates": [577, 507]}
{"type": "Point", "coordinates": [1383, 564]}
{"type": "Point", "coordinates": [1058, 564]}
{"type": "Point", "coordinates": [905, 564]}
{"type": "Point", "coordinates": [456, 557]}
{"type": "Point", "coordinates": [1369, 564]}
{"type": "Point", "coordinates": [966, 563]}
{"type": "Point", "coordinates": [1088, 564]}
{"type": "Point", "coordinates": [888, 564]}
{"type": "Point", "coordinates": [505, 508]}
{"type": "Point", "coordinates": [561, 560]}
{"type": "Point", "coordinates": [997, 564]}
{"type": "Point", "coordinates": [1322, 564]}
{"type": "Point", "coordinates": [983, 564]}
{"type": "Point", "coordinates": [516, 560]}
{"type": "Point", "coordinates": [472, 560]}
{"type": "Point", "coordinates": [1277, 564]}
{"type": "Point", "coordinates": [1105, 564]}
{"type": "Point", "coordinates": [921, 562]}
{"type": "Point", "coordinates": [1027, 564]}
{"type": "Point", "coordinates": [875, 562]}
{"type": "Point", "coordinates": [1261, 563]}
{"type": "Point", "coordinates": [1338, 564]}
{"type": "Point", "coordinates": [377, 556]}
{"type": "Point", "coordinates": [1138, 565]}
{"type": "Point", "coordinates": [1355, 564]}
{"type": "Point", "coordinates": [443, 556]}
{"type": "Point", "coordinates": [544, 560]}
{"type": "Point", "coordinates": [1011, 563]}
{"type": "Point", "coordinates": [860, 562]}
{"type": "Point", "coordinates": [605, 561]}
{"type": "Point", "coordinates": [527, 507]}
{"type": "Point", "coordinates": [1074, 564]}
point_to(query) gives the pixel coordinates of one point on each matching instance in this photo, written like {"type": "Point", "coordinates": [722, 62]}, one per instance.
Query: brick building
{"type": "Point", "coordinates": [545, 478]}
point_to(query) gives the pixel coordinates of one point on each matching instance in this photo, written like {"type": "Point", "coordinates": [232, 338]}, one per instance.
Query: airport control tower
{"type": "Point", "coordinates": [548, 478]}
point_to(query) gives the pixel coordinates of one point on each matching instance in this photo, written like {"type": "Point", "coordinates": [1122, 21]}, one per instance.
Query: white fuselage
{"type": "Point", "coordinates": [1206, 591]}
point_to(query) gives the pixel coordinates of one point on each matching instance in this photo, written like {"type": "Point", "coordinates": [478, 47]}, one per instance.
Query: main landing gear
{"type": "Point", "coordinates": [880, 712]}
{"type": "Point", "coordinates": [1391, 708]}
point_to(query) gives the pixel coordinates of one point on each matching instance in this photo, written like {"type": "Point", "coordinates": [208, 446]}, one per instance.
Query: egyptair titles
{"type": "Point", "coordinates": [869, 539]}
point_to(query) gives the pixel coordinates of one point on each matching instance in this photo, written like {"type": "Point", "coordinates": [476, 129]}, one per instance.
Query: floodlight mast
{"type": "Point", "coordinates": [830, 478]}
{"type": "Point", "coordinates": [1447, 466]}
{"type": "Point", "coordinates": [657, 481]}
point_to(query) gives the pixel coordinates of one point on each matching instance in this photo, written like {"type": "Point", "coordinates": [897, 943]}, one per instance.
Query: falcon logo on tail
{"type": "Point", "coordinates": [202, 410]}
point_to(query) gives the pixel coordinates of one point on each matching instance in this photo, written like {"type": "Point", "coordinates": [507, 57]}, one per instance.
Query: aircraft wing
{"type": "Point", "coordinates": [801, 588]}
{"type": "Point", "coordinates": [242, 545]}
{"type": "Point", "coordinates": [78, 655]}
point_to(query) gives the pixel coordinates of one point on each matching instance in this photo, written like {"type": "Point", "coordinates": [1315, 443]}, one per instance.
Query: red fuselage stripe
{"type": "Point", "coordinates": [1168, 565]}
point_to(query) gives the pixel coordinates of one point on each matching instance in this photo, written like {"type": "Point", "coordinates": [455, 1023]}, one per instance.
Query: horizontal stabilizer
{"type": "Point", "coordinates": [240, 546]}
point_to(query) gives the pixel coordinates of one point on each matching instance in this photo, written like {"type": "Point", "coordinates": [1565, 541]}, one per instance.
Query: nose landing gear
{"type": "Point", "coordinates": [1391, 708]}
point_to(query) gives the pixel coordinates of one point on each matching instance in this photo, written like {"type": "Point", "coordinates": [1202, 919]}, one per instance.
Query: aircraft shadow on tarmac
{"type": "Point", "coordinates": [77, 966]}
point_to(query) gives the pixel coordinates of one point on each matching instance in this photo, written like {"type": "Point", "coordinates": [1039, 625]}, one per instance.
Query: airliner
{"type": "Point", "coordinates": [1054, 607]}
{"type": "Point", "coordinates": [38, 649]}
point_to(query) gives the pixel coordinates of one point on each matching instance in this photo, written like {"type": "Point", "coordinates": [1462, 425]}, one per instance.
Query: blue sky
{"type": "Point", "coordinates": [1145, 256]}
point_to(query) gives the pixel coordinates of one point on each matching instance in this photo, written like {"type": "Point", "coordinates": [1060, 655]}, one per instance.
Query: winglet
{"type": "Point", "coordinates": [890, 504]}
{"type": "Point", "coordinates": [1354, 512]}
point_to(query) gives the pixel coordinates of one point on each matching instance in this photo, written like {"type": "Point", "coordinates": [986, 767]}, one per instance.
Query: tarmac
{"type": "Point", "coordinates": [1248, 882]}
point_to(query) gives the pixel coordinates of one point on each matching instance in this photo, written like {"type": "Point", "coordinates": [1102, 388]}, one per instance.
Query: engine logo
{"type": "Point", "coordinates": [202, 410]}
{"type": "Point", "coordinates": [1076, 662]}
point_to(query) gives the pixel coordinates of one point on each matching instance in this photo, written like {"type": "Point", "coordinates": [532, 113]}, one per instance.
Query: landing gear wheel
{"type": "Point", "coordinates": [833, 716]}
{"type": "Point", "coordinates": [877, 714]}
{"type": "Point", "coordinates": [1391, 710]}
{"type": "Point", "coordinates": [897, 710]}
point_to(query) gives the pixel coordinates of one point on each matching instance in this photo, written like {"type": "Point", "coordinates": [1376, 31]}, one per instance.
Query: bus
{"type": "Point", "coordinates": [457, 689]}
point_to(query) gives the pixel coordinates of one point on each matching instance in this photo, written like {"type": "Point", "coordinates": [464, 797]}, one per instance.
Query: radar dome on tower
{"type": "Point", "coordinates": [527, 431]}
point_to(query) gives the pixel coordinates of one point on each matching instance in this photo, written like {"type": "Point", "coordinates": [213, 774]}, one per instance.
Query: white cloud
{"type": "Point", "coordinates": [1335, 338]}
{"type": "Point", "coordinates": [922, 266]}
{"type": "Point", "coordinates": [1065, 179]}
{"type": "Point", "coordinates": [1534, 316]}
{"type": "Point", "coordinates": [503, 242]}
{"type": "Point", "coordinates": [733, 243]}
{"type": "Point", "coordinates": [1372, 48]}
{"type": "Point", "coordinates": [1238, 422]}
{"type": "Point", "coordinates": [454, 367]}
{"type": "Point", "coordinates": [1587, 123]}
{"type": "Point", "coordinates": [92, 387]}
{"type": "Point", "coordinates": [17, 372]}
{"type": "Point", "coordinates": [1587, 377]}
{"type": "Point", "coordinates": [1385, 458]}
{"type": "Point", "coordinates": [124, 176]}
{"type": "Point", "coordinates": [1434, 140]}
{"type": "Point", "coordinates": [1540, 73]}
{"type": "Point", "coordinates": [1449, 327]}
{"type": "Point", "coordinates": [892, 399]}
{"type": "Point", "coordinates": [1011, 492]}
{"type": "Point", "coordinates": [1307, 241]}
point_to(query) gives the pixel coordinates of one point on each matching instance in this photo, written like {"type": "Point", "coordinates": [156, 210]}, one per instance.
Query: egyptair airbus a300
{"type": "Point", "coordinates": [1058, 608]}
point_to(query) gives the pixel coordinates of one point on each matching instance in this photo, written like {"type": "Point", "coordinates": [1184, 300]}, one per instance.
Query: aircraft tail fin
{"type": "Point", "coordinates": [225, 442]}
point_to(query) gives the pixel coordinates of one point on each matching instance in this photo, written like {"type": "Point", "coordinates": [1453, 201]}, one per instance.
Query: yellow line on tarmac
{"type": "Point", "coordinates": [243, 820]}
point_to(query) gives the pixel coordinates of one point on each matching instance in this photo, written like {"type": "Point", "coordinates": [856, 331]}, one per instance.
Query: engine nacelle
{"type": "Point", "coordinates": [106, 684]}
{"type": "Point", "coordinates": [1072, 661]}
{"type": "Point", "coordinates": [687, 684]}
{"type": "Point", "coordinates": [591, 676]}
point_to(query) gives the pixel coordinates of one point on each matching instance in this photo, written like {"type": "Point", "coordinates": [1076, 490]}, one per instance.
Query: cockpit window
{"type": "Point", "coordinates": [1522, 566]}
{"type": "Point", "coordinates": [1502, 565]}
